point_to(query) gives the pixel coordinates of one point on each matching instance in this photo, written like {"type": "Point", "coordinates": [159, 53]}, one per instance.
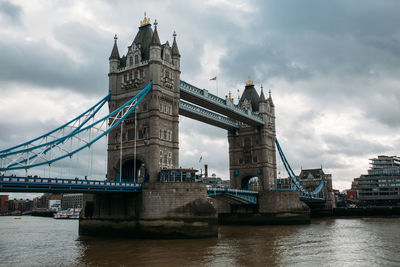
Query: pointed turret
{"type": "Point", "coordinates": [155, 44]}
{"type": "Point", "coordinates": [114, 52]}
{"type": "Point", "coordinates": [155, 40]}
{"type": "Point", "coordinates": [250, 97]}
{"type": "Point", "coordinates": [175, 50]}
{"type": "Point", "coordinates": [262, 97]}
{"type": "Point", "coordinates": [270, 99]}
{"type": "Point", "coordinates": [262, 103]}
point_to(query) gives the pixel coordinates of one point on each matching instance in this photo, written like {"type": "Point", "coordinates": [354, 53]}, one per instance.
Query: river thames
{"type": "Point", "coordinates": [36, 241]}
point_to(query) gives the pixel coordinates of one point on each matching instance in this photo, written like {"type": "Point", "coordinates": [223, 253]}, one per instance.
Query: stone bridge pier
{"type": "Point", "coordinates": [146, 143]}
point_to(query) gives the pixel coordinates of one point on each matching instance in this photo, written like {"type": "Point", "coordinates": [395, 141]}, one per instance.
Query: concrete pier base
{"type": "Point", "coordinates": [161, 210]}
{"type": "Point", "coordinates": [274, 207]}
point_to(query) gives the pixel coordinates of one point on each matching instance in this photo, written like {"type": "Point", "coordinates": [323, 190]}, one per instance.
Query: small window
{"type": "Point", "coordinates": [160, 152]}
{"type": "Point", "coordinates": [130, 75]}
{"type": "Point", "coordinates": [136, 59]}
{"type": "Point", "coordinates": [131, 61]}
{"type": "Point", "coordinates": [136, 74]}
{"type": "Point", "coordinates": [141, 73]}
{"type": "Point", "coordinates": [131, 134]}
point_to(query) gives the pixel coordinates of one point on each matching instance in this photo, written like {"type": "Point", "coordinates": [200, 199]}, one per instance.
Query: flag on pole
{"type": "Point", "coordinates": [201, 157]}
{"type": "Point", "coordinates": [213, 79]}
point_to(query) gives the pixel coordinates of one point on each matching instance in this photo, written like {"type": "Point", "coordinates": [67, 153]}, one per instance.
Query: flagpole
{"type": "Point", "coordinates": [217, 85]}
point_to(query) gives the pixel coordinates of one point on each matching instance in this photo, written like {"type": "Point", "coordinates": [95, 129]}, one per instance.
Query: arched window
{"type": "Point", "coordinates": [136, 59]}
{"type": "Point", "coordinates": [130, 61]}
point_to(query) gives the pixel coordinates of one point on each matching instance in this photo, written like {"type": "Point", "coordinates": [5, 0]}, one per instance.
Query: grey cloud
{"type": "Point", "coordinates": [39, 64]}
{"type": "Point", "coordinates": [352, 145]}
{"type": "Point", "coordinates": [11, 12]}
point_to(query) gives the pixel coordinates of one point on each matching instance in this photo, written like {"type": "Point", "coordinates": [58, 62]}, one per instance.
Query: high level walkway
{"type": "Point", "coordinates": [203, 98]}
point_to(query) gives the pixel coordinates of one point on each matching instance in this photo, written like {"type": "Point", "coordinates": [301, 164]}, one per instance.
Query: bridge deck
{"type": "Point", "coordinates": [57, 185]}
{"type": "Point", "coordinates": [197, 113]}
{"type": "Point", "coordinates": [204, 99]}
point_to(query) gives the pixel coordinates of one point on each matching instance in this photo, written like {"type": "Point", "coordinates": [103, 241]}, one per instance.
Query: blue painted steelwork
{"type": "Point", "coordinates": [93, 109]}
{"type": "Point", "coordinates": [243, 115]}
{"type": "Point", "coordinates": [189, 110]}
{"type": "Point", "coordinates": [317, 193]}
{"type": "Point", "coordinates": [312, 199]}
{"type": "Point", "coordinates": [117, 115]}
{"type": "Point", "coordinates": [56, 185]}
{"type": "Point", "coordinates": [243, 196]}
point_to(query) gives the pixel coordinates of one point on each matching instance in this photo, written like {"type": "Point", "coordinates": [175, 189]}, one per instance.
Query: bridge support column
{"type": "Point", "coordinates": [162, 210]}
{"type": "Point", "coordinates": [274, 207]}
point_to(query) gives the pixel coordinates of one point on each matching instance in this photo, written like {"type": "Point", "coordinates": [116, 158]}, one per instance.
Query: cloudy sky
{"type": "Point", "coordinates": [333, 68]}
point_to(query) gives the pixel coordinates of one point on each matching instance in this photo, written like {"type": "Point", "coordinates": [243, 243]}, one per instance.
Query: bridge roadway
{"type": "Point", "coordinates": [58, 185]}
{"type": "Point", "coordinates": [198, 113]}
{"type": "Point", "coordinates": [203, 98]}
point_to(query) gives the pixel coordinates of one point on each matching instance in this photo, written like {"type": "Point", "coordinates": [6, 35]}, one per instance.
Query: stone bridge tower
{"type": "Point", "coordinates": [154, 131]}
{"type": "Point", "coordinates": [252, 149]}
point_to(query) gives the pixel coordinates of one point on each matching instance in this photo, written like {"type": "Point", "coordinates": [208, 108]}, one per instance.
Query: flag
{"type": "Point", "coordinates": [213, 79]}
{"type": "Point", "coordinates": [201, 157]}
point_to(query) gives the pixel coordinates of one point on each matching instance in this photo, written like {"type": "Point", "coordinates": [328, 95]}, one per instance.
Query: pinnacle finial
{"type": "Point", "coordinates": [155, 23]}
{"type": "Point", "coordinates": [145, 21]}
{"type": "Point", "coordinates": [115, 37]}
{"type": "Point", "coordinates": [174, 35]}
{"type": "Point", "coordinates": [269, 92]}
{"type": "Point", "coordinates": [249, 82]}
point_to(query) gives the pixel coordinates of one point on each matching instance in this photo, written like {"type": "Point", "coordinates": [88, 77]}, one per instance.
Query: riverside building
{"type": "Point", "coordinates": [381, 185]}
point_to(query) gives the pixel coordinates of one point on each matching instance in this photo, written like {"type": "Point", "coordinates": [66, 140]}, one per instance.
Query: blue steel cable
{"type": "Point", "coordinates": [101, 102]}
{"type": "Point", "coordinates": [140, 95]}
{"type": "Point", "coordinates": [293, 177]}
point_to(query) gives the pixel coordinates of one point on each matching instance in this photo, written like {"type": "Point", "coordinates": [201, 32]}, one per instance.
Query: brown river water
{"type": "Point", "coordinates": [36, 241]}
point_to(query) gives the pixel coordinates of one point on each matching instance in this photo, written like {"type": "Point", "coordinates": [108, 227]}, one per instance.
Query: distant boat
{"type": "Point", "coordinates": [68, 214]}
{"type": "Point", "coordinates": [18, 218]}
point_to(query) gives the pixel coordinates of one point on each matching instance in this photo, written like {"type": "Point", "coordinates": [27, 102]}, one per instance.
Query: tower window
{"type": "Point", "coordinates": [136, 59]}
{"type": "Point", "coordinates": [131, 134]}
{"type": "Point", "coordinates": [131, 61]}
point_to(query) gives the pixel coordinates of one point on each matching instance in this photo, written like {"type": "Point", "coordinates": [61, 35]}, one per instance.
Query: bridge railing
{"type": "Point", "coordinates": [220, 102]}
{"type": "Point", "coordinates": [247, 196]}
{"type": "Point", "coordinates": [60, 181]}
{"type": "Point", "coordinates": [229, 190]}
{"type": "Point", "coordinates": [208, 114]}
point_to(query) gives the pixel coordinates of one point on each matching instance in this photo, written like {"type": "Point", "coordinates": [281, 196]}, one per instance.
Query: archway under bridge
{"type": "Point", "coordinates": [134, 173]}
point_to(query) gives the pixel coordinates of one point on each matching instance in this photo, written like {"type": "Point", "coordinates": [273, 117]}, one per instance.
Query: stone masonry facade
{"type": "Point", "coordinates": [157, 120]}
{"type": "Point", "coordinates": [252, 149]}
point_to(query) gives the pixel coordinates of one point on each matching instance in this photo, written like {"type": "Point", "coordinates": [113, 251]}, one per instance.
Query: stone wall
{"type": "Point", "coordinates": [166, 210]}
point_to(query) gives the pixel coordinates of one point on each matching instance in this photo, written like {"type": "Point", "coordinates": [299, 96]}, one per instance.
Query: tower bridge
{"type": "Point", "coordinates": [146, 97]}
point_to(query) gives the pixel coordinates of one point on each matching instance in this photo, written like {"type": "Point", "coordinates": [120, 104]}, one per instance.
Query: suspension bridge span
{"type": "Point", "coordinates": [146, 192]}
